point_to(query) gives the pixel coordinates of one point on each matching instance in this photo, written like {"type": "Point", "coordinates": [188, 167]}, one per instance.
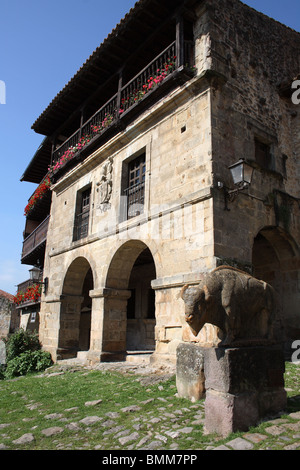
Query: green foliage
{"type": "Point", "coordinates": [2, 372]}
{"type": "Point", "coordinates": [29, 361]}
{"type": "Point", "coordinates": [19, 342]}
{"type": "Point", "coordinates": [24, 355]}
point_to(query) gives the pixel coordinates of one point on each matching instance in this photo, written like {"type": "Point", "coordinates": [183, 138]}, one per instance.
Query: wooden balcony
{"type": "Point", "coordinates": [173, 66]}
{"type": "Point", "coordinates": [34, 244]}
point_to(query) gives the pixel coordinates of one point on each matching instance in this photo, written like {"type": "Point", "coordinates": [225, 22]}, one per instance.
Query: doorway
{"type": "Point", "coordinates": [129, 311]}
{"type": "Point", "coordinates": [76, 306]}
{"type": "Point", "coordinates": [275, 259]}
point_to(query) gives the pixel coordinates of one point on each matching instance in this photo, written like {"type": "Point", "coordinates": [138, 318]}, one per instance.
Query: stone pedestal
{"type": "Point", "coordinates": [242, 385]}
{"type": "Point", "coordinates": [190, 371]}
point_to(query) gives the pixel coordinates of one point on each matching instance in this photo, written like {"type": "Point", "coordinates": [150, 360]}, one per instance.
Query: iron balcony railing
{"type": "Point", "coordinates": [127, 96]}
{"type": "Point", "coordinates": [147, 79]}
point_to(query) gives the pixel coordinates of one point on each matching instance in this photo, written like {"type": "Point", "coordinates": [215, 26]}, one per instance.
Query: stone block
{"type": "Point", "coordinates": [190, 371]}
{"type": "Point", "coordinates": [243, 385]}
{"type": "Point", "coordinates": [237, 370]}
{"type": "Point", "coordinates": [226, 413]}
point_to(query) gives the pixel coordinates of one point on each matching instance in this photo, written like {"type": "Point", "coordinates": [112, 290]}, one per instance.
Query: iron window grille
{"type": "Point", "coordinates": [81, 225]}
{"type": "Point", "coordinates": [135, 192]}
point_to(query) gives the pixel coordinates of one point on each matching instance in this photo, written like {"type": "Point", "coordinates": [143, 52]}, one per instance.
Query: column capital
{"type": "Point", "coordinates": [107, 292]}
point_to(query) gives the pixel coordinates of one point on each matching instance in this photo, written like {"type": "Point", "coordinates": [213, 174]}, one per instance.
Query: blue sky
{"type": "Point", "coordinates": [42, 45]}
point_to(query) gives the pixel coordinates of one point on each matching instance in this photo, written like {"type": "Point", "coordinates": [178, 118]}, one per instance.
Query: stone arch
{"type": "Point", "coordinates": [121, 264]}
{"type": "Point", "coordinates": [276, 260]}
{"type": "Point", "coordinates": [129, 307]}
{"type": "Point", "coordinates": [76, 307]}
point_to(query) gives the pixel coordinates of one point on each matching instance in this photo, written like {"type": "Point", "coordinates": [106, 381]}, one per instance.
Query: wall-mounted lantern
{"type": "Point", "coordinates": [35, 277]}
{"type": "Point", "coordinates": [241, 173]}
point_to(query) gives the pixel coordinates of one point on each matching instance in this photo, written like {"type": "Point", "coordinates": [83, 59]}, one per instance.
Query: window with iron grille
{"type": "Point", "coordinates": [135, 190]}
{"type": "Point", "coordinates": [82, 215]}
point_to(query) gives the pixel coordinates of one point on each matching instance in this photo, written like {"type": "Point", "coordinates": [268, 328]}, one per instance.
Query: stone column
{"type": "Point", "coordinates": [96, 339]}
{"type": "Point", "coordinates": [109, 322]}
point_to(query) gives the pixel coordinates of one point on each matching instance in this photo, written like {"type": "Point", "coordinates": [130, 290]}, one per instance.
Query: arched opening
{"type": "Point", "coordinates": [129, 311]}
{"type": "Point", "coordinates": [276, 260]}
{"type": "Point", "coordinates": [141, 304]}
{"type": "Point", "coordinates": [76, 306]}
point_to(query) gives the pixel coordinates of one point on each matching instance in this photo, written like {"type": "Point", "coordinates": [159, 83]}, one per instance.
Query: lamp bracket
{"type": "Point", "coordinates": [231, 194]}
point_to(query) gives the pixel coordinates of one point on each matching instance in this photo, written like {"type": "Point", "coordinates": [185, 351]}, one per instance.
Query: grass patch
{"type": "Point", "coordinates": [161, 416]}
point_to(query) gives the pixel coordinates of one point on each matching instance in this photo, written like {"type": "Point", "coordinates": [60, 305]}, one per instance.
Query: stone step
{"type": "Point", "coordinates": [82, 355]}
{"type": "Point", "coordinates": [138, 357]}
{"type": "Point", "coordinates": [132, 357]}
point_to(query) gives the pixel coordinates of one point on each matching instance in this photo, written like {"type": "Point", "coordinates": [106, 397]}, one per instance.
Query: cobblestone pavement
{"type": "Point", "coordinates": [282, 432]}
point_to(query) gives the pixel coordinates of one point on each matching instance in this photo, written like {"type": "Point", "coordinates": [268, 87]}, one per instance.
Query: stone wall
{"type": "Point", "coordinates": [8, 314]}
{"type": "Point", "coordinates": [9, 321]}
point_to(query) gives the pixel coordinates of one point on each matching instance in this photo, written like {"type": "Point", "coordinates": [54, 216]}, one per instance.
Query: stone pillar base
{"type": "Point", "coordinates": [66, 353]}
{"type": "Point", "coordinates": [95, 357]}
{"type": "Point", "coordinates": [243, 385]}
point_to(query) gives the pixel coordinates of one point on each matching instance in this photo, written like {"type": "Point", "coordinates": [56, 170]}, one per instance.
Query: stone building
{"type": "Point", "coordinates": [9, 318]}
{"type": "Point", "coordinates": [140, 144]}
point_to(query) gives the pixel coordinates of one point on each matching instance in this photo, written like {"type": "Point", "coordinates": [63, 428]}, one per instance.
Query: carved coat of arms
{"type": "Point", "coordinates": [105, 183]}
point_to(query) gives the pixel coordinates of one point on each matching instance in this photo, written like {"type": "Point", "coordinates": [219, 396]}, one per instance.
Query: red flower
{"type": "Point", "coordinates": [33, 293]}
{"type": "Point", "coordinates": [38, 194]}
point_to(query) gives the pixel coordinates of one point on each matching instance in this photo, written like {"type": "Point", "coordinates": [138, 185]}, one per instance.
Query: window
{"type": "Point", "coordinates": [135, 190]}
{"type": "Point", "coordinates": [82, 214]}
{"type": "Point", "coordinates": [263, 154]}
{"type": "Point", "coordinates": [33, 317]}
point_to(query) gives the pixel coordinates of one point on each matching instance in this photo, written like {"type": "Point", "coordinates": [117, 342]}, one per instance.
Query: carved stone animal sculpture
{"type": "Point", "coordinates": [236, 302]}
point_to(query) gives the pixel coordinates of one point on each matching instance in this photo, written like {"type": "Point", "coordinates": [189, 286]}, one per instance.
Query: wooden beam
{"type": "Point", "coordinates": [179, 41]}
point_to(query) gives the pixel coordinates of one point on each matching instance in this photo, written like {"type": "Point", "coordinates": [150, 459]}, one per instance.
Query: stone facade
{"type": "Point", "coordinates": [189, 137]}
